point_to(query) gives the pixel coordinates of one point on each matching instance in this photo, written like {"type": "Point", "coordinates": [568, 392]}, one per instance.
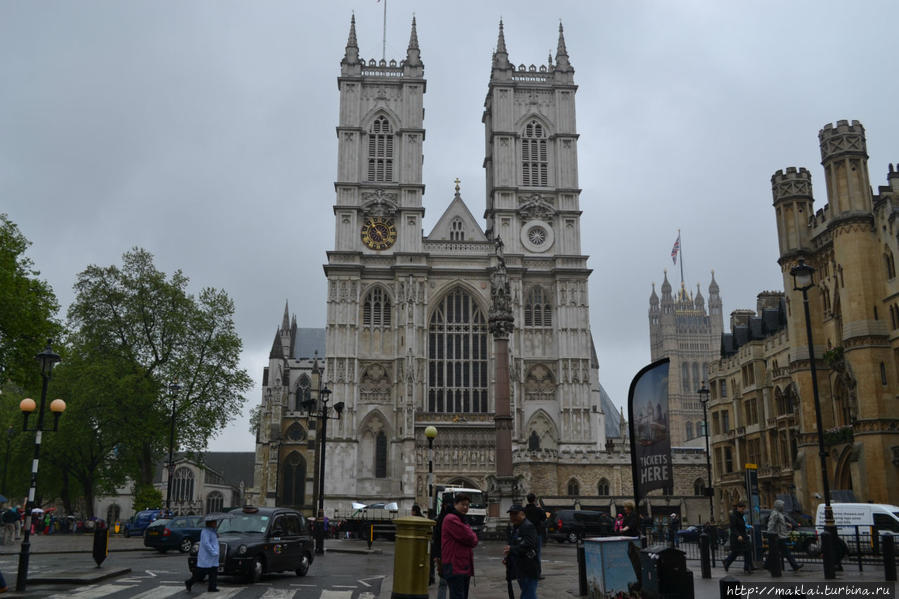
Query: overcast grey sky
{"type": "Point", "coordinates": [205, 133]}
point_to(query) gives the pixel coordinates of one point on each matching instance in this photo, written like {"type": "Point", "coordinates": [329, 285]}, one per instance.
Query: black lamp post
{"type": "Point", "coordinates": [431, 434]}
{"type": "Point", "coordinates": [803, 280]}
{"type": "Point", "coordinates": [709, 491]}
{"type": "Point", "coordinates": [321, 411]}
{"type": "Point", "coordinates": [48, 359]}
{"type": "Point", "coordinates": [10, 433]}
{"type": "Point", "coordinates": [173, 391]}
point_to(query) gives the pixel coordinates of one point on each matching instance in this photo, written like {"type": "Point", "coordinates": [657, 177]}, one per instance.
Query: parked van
{"type": "Point", "coordinates": [859, 525]}
{"type": "Point", "coordinates": [139, 522]}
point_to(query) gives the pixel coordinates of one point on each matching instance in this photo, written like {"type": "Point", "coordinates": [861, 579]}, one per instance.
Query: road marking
{"type": "Point", "coordinates": [328, 594]}
{"type": "Point", "coordinates": [278, 594]}
{"type": "Point", "coordinates": [94, 592]}
{"type": "Point", "coordinates": [366, 596]}
{"type": "Point", "coordinates": [225, 593]}
{"type": "Point", "coordinates": [158, 593]}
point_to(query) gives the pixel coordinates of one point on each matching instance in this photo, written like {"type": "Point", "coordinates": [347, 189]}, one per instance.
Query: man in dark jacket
{"type": "Point", "coordinates": [630, 526]}
{"type": "Point", "coordinates": [739, 540]}
{"type": "Point", "coordinates": [536, 516]}
{"type": "Point", "coordinates": [522, 563]}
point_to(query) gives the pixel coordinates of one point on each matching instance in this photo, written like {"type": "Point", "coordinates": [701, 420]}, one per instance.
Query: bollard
{"type": "Point", "coordinates": [729, 587]}
{"type": "Point", "coordinates": [581, 568]}
{"type": "Point", "coordinates": [889, 557]}
{"type": "Point", "coordinates": [101, 543]}
{"type": "Point", "coordinates": [412, 557]}
{"type": "Point", "coordinates": [775, 563]}
{"type": "Point", "coordinates": [704, 561]}
{"type": "Point", "coordinates": [827, 542]}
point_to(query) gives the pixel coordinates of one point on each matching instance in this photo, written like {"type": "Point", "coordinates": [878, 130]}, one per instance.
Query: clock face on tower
{"type": "Point", "coordinates": [378, 232]}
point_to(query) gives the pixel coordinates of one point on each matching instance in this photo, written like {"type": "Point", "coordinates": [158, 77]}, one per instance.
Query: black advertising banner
{"type": "Point", "coordinates": [647, 406]}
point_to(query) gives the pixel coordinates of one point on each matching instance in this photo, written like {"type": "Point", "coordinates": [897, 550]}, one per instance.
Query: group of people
{"type": "Point", "coordinates": [453, 544]}
{"type": "Point", "coordinates": [740, 543]}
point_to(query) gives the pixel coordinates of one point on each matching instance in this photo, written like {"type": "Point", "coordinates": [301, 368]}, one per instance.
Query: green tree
{"type": "Point", "coordinates": [27, 308]}
{"type": "Point", "coordinates": [158, 333]}
{"type": "Point", "coordinates": [146, 497]}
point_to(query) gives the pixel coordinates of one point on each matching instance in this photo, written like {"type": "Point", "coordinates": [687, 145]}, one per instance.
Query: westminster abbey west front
{"type": "Point", "coordinates": [407, 343]}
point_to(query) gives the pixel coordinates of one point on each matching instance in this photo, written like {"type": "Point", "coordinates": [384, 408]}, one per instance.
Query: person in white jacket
{"type": "Point", "coordinates": [207, 558]}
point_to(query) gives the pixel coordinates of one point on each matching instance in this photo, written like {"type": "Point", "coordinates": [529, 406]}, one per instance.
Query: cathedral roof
{"type": "Point", "coordinates": [276, 352]}
{"type": "Point", "coordinates": [457, 209]}
{"type": "Point", "coordinates": [613, 418]}
{"type": "Point", "coordinates": [307, 342]}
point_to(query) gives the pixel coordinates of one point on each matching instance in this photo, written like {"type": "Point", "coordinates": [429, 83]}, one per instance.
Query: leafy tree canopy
{"type": "Point", "coordinates": [27, 308]}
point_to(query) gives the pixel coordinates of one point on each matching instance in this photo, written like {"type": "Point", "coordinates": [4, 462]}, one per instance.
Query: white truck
{"type": "Point", "coordinates": [859, 525]}
{"type": "Point", "coordinates": [477, 509]}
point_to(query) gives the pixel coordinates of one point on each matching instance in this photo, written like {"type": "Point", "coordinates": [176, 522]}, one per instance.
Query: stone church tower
{"type": "Point", "coordinates": [682, 329]}
{"type": "Point", "coordinates": [407, 344]}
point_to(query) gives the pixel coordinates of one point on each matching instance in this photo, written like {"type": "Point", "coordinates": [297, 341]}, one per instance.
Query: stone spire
{"type": "Point", "coordinates": [351, 55]}
{"type": "Point", "coordinates": [413, 54]}
{"type": "Point", "coordinates": [501, 56]}
{"type": "Point", "coordinates": [285, 322]}
{"type": "Point", "coordinates": [653, 298]}
{"type": "Point", "coordinates": [562, 63]}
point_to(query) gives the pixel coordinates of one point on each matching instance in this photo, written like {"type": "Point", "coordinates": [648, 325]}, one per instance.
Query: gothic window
{"type": "Point", "coordinates": [381, 455]}
{"type": "Point", "coordinates": [293, 486]}
{"type": "Point", "coordinates": [457, 230]}
{"type": "Point", "coordinates": [685, 377]}
{"type": "Point", "coordinates": [457, 355]}
{"type": "Point", "coordinates": [534, 441]}
{"type": "Point", "coordinates": [380, 151]}
{"type": "Point", "coordinates": [574, 487]}
{"type": "Point", "coordinates": [700, 428]}
{"type": "Point", "coordinates": [534, 161]}
{"type": "Point", "coordinates": [538, 310]}
{"type": "Point", "coordinates": [699, 487]}
{"type": "Point", "coordinates": [183, 485]}
{"type": "Point", "coordinates": [295, 432]}
{"type": "Point", "coordinates": [215, 502]}
{"type": "Point", "coordinates": [889, 263]}
{"type": "Point", "coordinates": [304, 392]}
{"type": "Point", "coordinates": [602, 487]}
{"type": "Point", "coordinates": [696, 378]}
{"type": "Point", "coordinates": [689, 430]}
{"type": "Point", "coordinates": [723, 389]}
{"type": "Point", "coordinates": [376, 309]}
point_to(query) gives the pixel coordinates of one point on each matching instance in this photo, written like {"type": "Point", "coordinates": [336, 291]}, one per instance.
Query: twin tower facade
{"type": "Point", "coordinates": [407, 343]}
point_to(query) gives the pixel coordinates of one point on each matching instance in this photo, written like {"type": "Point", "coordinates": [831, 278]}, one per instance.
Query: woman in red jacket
{"type": "Point", "coordinates": [457, 541]}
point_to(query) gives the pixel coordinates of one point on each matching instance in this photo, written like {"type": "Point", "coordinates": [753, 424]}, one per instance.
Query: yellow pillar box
{"type": "Point", "coordinates": [412, 557]}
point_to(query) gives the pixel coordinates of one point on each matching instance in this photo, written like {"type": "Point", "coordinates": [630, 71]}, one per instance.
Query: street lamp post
{"type": "Point", "coordinates": [803, 280]}
{"type": "Point", "coordinates": [431, 434]}
{"type": "Point", "coordinates": [48, 359]}
{"type": "Point", "coordinates": [10, 432]}
{"type": "Point", "coordinates": [173, 392]}
{"type": "Point", "coordinates": [321, 411]}
{"type": "Point", "coordinates": [704, 400]}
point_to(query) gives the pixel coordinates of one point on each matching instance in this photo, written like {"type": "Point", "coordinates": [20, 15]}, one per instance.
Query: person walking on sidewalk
{"type": "Point", "coordinates": [537, 517]}
{"type": "Point", "coordinates": [457, 542]}
{"type": "Point", "coordinates": [520, 554]}
{"type": "Point", "coordinates": [739, 541]}
{"type": "Point", "coordinates": [207, 558]}
{"type": "Point", "coordinates": [777, 523]}
{"type": "Point", "coordinates": [630, 526]}
{"type": "Point", "coordinates": [10, 521]}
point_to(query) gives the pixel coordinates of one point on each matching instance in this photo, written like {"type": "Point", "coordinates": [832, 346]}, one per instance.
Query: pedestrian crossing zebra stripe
{"type": "Point", "coordinates": [159, 592]}
{"type": "Point", "coordinates": [328, 594]}
{"type": "Point", "coordinates": [278, 594]}
{"type": "Point", "coordinates": [92, 592]}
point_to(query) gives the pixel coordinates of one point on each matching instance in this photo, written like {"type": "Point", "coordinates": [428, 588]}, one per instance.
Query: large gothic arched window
{"type": "Point", "coordinates": [381, 455]}
{"type": "Point", "coordinates": [534, 159]}
{"type": "Point", "coordinates": [183, 485]}
{"type": "Point", "coordinates": [574, 487]}
{"type": "Point", "coordinates": [457, 355]}
{"type": "Point", "coordinates": [376, 309]}
{"type": "Point", "coordinates": [380, 151]}
{"type": "Point", "coordinates": [293, 489]}
{"type": "Point", "coordinates": [538, 310]}
{"type": "Point", "coordinates": [304, 392]}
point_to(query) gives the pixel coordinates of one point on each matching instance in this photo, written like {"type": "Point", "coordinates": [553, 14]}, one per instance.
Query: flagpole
{"type": "Point", "coordinates": [384, 35]}
{"type": "Point", "coordinates": [681, 248]}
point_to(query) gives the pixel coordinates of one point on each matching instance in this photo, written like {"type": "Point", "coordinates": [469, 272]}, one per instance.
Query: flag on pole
{"type": "Point", "coordinates": [675, 249]}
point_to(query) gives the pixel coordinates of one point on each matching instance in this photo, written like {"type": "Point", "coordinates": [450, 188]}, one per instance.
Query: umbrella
{"type": "Point", "coordinates": [216, 516]}
{"type": "Point", "coordinates": [37, 510]}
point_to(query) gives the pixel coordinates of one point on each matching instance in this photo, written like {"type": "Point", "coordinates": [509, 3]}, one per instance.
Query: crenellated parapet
{"type": "Point", "coordinates": [843, 140]}
{"type": "Point", "coordinates": [791, 183]}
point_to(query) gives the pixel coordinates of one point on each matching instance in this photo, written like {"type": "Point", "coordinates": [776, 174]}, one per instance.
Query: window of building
{"type": "Point", "coordinates": [883, 374]}
{"type": "Point", "coordinates": [534, 159]}
{"type": "Point", "coordinates": [215, 502]}
{"type": "Point", "coordinates": [716, 425]}
{"type": "Point", "coordinates": [700, 428]}
{"type": "Point", "coordinates": [685, 377]}
{"type": "Point", "coordinates": [538, 310]}
{"type": "Point", "coordinates": [381, 455]}
{"type": "Point", "coordinates": [534, 441]}
{"type": "Point", "coordinates": [602, 487]}
{"type": "Point", "coordinates": [380, 151]}
{"type": "Point", "coordinates": [183, 485]}
{"type": "Point", "coordinates": [728, 460]}
{"type": "Point", "coordinates": [457, 355]}
{"type": "Point", "coordinates": [698, 487]}
{"type": "Point", "coordinates": [113, 514]}
{"type": "Point", "coordinates": [725, 422]}
{"type": "Point", "coordinates": [723, 388]}
{"type": "Point", "coordinates": [574, 487]}
{"type": "Point", "coordinates": [296, 432]}
{"type": "Point", "coordinates": [696, 379]}
{"type": "Point", "coordinates": [293, 487]}
{"type": "Point", "coordinates": [689, 431]}
{"type": "Point", "coordinates": [304, 392]}
{"type": "Point", "coordinates": [457, 230]}
{"type": "Point", "coordinates": [889, 263]}
{"type": "Point", "coordinates": [376, 309]}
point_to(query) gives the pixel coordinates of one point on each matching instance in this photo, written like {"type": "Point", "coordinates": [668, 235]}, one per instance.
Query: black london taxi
{"type": "Point", "coordinates": [257, 540]}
